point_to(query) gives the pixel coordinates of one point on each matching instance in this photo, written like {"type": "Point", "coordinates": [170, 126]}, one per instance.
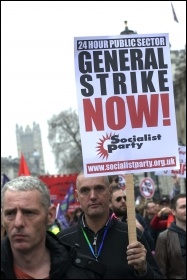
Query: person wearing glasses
{"type": "Point", "coordinates": [101, 235]}
{"type": "Point", "coordinates": [118, 205]}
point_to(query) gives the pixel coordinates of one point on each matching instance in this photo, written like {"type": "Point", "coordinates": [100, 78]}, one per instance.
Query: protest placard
{"type": "Point", "coordinates": [147, 187]}
{"type": "Point", "coordinates": [181, 172]}
{"type": "Point", "coordinates": [126, 104]}
{"type": "Point", "coordinates": [126, 107]}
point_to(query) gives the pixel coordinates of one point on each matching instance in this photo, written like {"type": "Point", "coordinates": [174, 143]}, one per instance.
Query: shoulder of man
{"type": "Point", "coordinates": [67, 231]}
{"type": "Point", "coordinates": [54, 239]}
{"type": "Point", "coordinates": [5, 248]}
{"type": "Point", "coordinates": [7, 271]}
{"type": "Point", "coordinates": [123, 226]}
{"type": "Point", "coordinates": [78, 265]}
{"type": "Point", "coordinates": [163, 234]}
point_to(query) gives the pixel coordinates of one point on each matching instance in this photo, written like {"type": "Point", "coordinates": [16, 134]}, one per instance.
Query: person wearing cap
{"type": "Point", "coordinates": [162, 219]}
{"type": "Point", "coordinates": [164, 202]}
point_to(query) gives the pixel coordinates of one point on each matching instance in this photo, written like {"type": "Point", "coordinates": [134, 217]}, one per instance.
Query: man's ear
{"type": "Point", "coordinates": [51, 214]}
{"type": "Point", "coordinates": [173, 212]}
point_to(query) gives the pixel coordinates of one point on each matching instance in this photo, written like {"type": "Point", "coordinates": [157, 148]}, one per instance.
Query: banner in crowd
{"type": "Point", "coordinates": [181, 172]}
{"type": "Point", "coordinates": [126, 104]}
{"type": "Point", "coordinates": [59, 187]}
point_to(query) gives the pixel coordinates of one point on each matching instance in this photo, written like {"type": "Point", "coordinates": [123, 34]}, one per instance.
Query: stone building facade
{"type": "Point", "coordinates": [180, 95]}
{"type": "Point", "coordinates": [29, 142]}
{"type": "Point", "coordinates": [9, 167]}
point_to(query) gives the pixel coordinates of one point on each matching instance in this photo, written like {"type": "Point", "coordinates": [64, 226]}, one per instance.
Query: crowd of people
{"type": "Point", "coordinates": [95, 245]}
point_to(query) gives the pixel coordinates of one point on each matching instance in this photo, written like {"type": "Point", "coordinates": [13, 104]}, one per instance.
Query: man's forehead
{"type": "Point", "coordinates": [151, 204]}
{"type": "Point", "coordinates": [181, 200]}
{"type": "Point", "coordinates": [100, 179]}
{"type": "Point", "coordinates": [22, 199]}
{"type": "Point", "coordinates": [15, 195]}
{"type": "Point", "coordinates": [119, 192]}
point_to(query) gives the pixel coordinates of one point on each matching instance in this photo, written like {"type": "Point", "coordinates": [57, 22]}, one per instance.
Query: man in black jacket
{"type": "Point", "coordinates": [29, 251]}
{"type": "Point", "coordinates": [100, 235]}
{"type": "Point", "coordinates": [170, 252]}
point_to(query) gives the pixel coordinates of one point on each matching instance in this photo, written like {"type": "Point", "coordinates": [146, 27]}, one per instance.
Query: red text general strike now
{"type": "Point", "coordinates": [116, 109]}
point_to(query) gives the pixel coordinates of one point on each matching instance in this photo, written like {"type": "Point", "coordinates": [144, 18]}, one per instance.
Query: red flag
{"type": "Point", "coordinates": [23, 168]}
{"type": "Point", "coordinates": [174, 14]}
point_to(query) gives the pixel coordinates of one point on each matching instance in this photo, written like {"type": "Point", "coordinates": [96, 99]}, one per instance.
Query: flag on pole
{"type": "Point", "coordinates": [64, 205]}
{"type": "Point", "coordinates": [69, 198]}
{"type": "Point", "coordinates": [174, 14]}
{"type": "Point", "coordinates": [23, 168]}
{"type": "Point", "coordinates": [61, 217]}
{"type": "Point", "coordinates": [5, 179]}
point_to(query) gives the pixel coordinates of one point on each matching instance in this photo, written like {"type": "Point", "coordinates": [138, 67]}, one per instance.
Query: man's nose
{"type": "Point", "coordinates": [19, 220]}
{"type": "Point", "coordinates": [92, 193]}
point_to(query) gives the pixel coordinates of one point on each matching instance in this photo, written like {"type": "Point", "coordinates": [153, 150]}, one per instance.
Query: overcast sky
{"type": "Point", "coordinates": [37, 54]}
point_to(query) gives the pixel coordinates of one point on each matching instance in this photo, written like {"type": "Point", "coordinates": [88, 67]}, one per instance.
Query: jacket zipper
{"type": "Point", "coordinates": [95, 244]}
{"type": "Point", "coordinates": [95, 240]}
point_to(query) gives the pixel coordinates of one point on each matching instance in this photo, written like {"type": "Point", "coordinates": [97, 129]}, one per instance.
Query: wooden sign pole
{"type": "Point", "coordinates": [130, 201]}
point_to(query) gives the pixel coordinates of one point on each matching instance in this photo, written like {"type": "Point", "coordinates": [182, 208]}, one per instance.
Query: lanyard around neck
{"type": "Point", "coordinates": [101, 245]}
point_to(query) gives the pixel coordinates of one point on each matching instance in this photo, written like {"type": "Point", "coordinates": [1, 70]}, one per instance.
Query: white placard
{"type": "Point", "coordinates": [181, 172]}
{"type": "Point", "coordinates": [126, 104]}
